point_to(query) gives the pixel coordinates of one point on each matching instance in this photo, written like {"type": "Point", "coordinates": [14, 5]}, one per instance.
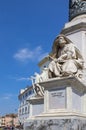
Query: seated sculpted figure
{"type": "Point", "coordinates": [66, 58]}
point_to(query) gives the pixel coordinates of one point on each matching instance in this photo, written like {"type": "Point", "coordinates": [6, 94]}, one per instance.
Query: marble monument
{"type": "Point", "coordinates": [60, 89]}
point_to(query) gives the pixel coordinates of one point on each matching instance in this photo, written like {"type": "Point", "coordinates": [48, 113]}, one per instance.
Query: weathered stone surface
{"type": "Point", "coordinates": [56, 124]}
{"type": "Point", "coordinates": [76, 7]}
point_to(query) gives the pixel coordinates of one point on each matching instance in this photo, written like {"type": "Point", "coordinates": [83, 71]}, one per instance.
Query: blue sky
{"type": "Point", "coordinates": [27, 31]}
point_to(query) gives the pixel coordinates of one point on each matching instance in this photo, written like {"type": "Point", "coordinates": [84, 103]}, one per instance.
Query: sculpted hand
{"type": "Point", "coordinates": [59, 59]}
{"type": "Point", "coordinates": [55, 60]}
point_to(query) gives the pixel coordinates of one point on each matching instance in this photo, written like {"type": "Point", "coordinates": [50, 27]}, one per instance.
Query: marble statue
{"type": "Point", "coordinates": [66, 58]}
{"type": "Point", "coordinates": [44, 75]}
{"type": "Point", "coordinates": [36, 79]}
{"type": "Point", "coordinates": [38, 89]}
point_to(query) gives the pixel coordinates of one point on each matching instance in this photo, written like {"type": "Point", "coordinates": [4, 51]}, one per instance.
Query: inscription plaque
{"type": "Point", "coordinates": [57, 99]}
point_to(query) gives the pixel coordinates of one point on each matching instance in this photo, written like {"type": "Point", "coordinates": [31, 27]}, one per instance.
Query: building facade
{"type": "Point", "coordinates": [24, 106]}
{"type": "Point", "coordinates": [9, 120]}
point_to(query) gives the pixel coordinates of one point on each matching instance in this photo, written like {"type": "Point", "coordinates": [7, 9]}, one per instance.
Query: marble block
{"type": "Point", "coordinates": [66, 94]}
{"type": "Point", "coordinates": [57, 99]}
{"type": "Point", "coordinates": [36, 105]}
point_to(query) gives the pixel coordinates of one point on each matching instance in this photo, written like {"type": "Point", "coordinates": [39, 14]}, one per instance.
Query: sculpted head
{"type": "Point", "coordinates": [60, 41]}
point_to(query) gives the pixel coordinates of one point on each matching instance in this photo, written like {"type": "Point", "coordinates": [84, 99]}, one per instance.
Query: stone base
{"type": "Point", "coordinates": [57, 124]}
{"type": "Point", "coordinates": [63, 106]}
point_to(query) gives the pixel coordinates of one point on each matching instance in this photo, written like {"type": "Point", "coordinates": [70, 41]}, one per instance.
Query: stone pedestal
{"type": "Point", "coordinates": [36, 105]}
{"type": "Point", "coordinates": [64, 106]}
{"type": "Point", "coordinates": [66, 94]}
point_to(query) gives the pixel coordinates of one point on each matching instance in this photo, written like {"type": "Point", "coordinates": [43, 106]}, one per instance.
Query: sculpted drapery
{"type": "Point", "coordinates": [66, 58]}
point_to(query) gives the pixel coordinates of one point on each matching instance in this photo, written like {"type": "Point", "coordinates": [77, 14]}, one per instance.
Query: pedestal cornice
{"type": "Point", "coordinates": [74, 28]}
{"type": "Point", "coordinates": [65, 81]}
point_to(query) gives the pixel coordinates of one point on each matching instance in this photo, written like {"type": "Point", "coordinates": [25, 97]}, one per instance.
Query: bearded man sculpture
{"type": "Point", "coordinates": [66, 58]}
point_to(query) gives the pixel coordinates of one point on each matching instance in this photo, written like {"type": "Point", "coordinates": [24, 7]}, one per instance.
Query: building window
{"type": "Point", "coordinates": [25, 109]}
{"type": "Point", "coordinates": [22, 110]}
{"type": "Point", "coordinates": [23, 96]}
{"type": "Point", "coordinates": [23, 102]}
{"type": "Point", "coordinates": [28, 109]}
{"type": "Point", "coordinates": [30, 92]}
{"type": "Point", "coordinates": [26, 94]}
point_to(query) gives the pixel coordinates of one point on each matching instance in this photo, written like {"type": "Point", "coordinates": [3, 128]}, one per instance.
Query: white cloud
{"type": "Point", "coordinates": [18, 78]}
{"type": "Point", "coordinates": [23, 79]}
{"type": "Point", "coordinates": [7, 96]}
{"type": "Point", "coordinates": [26, 54]}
